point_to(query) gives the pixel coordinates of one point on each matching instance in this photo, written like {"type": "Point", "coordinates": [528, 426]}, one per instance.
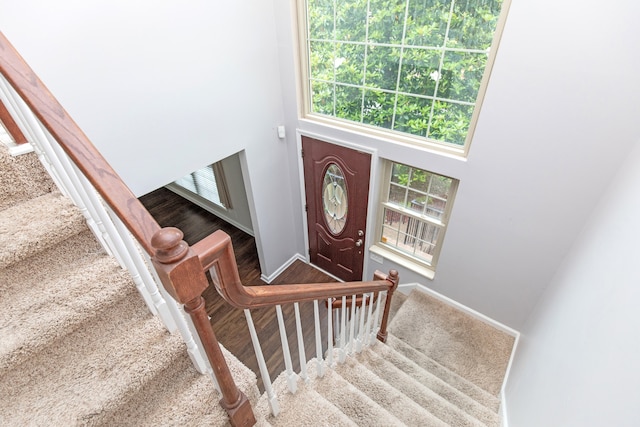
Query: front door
{"type": "Point", "coordinates": [337, 190]}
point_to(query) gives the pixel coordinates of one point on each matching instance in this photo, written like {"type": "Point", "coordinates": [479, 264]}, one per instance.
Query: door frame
{"type": "Point", "coordinates": [371, 204]}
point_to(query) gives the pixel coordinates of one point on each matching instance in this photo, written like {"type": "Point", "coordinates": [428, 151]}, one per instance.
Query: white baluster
{"type": "Point", "coordinates": [329, 335]}
{"type": "Point", "coordinates": [319, 357]}
{"type": "Point", "coordinates": [381, 297]}
{"type": "Point", "coordinates": [284, 340]}
{"type": "Point", "coordinates": [343, 328]}
{"type": "Point", "coordinates": [301, 353]}
{"type": "Point", "coordinates": [266, 379]}
{"type": "Point", "coordinates": [352, 322]}
{"type": "Point", "coordinates": [367, 336]}
{"type": "Point", "coordinates": [363, 311]}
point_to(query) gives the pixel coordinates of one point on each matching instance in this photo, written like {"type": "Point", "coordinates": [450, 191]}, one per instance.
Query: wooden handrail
{"type": "Point", "coordinates": [216, 254]}
{"type": "Point", "coordinates": [77, 146]}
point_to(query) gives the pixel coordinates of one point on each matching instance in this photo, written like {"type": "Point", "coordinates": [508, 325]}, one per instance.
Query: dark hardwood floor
{"type": "Point", "coordinates": [229, 323]}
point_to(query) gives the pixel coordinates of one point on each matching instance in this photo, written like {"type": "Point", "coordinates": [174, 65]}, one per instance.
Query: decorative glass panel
{"type": "Point", "coordinates": [334, 199]}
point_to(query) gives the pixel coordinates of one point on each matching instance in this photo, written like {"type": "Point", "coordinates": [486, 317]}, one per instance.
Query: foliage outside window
{"type": "Point", "coordinates": [415, 211]}
{"type": "Point", "coordinates": [411, 66]}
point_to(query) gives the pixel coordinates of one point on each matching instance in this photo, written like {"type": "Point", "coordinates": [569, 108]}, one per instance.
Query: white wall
{"type": "Point", "coordinates": [147, 80]}
{"type": "Point", "coordinates": [578, 359]}
{"type": "Point", "coordinates": [558, 117]}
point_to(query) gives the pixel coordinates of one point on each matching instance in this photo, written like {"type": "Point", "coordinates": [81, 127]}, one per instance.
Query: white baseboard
{"type": "Point", "coordinates": [282, 268]}
{"type": "Point", "coordinates": [504, 421]}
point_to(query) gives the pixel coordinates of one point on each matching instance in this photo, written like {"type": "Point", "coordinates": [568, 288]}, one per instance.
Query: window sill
{"type": "Point", "coordinates": [404, 262]}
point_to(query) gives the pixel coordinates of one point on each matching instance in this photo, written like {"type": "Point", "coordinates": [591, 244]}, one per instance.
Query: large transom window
{"type": "Point", "coordinates": [410, 66]}
{"type": "Point", "coordinates": [415, 211]}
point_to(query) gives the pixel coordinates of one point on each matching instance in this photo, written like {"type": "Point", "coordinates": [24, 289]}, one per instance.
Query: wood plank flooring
{"type": "Point", "coordinates": [229, 323]}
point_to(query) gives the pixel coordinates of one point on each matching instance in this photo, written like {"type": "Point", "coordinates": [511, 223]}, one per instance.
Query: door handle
{"type": "Point", "coordinates": [359, 242]}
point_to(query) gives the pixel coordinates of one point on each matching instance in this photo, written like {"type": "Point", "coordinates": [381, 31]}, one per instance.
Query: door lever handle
{"type": "Point", "coordinates": [359, 242]}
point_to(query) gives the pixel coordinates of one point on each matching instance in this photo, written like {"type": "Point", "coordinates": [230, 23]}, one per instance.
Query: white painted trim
{"type": "Point", "coordinates": [193, 198]}
{"type": "Point", "coordinates": [20, 149]}
{"type": "Point", "coordinates": [504, 421]}
{"type": "Point", "coordinates": [402, 261]}
{"type": "Point", "coordinates": [303, 194]}
{"type": "Point", "coordinates": [282, 268]}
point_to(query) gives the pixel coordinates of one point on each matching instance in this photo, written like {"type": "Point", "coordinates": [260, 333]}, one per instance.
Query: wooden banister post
{"type": "Point", "coordinates": [11, 126]}
{"type": "Point", "coordinates": [393, 278]}
{"type": "Point", "coordinates": [183, 277]}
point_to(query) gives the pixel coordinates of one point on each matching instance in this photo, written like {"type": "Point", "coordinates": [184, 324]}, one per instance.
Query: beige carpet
{"type": "Point", "coordinates": [79, 346]}
{"type": "Point", "coordinates": [457, 341]}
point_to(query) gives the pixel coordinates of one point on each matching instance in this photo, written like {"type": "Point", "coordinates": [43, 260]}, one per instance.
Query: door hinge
{"type": "Point", "coordinates": [302, 153]}
{"type": "Point", "coordinates": [306, 208]}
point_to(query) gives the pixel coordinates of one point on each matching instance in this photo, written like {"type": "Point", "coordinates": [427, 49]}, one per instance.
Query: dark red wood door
{"type": "Point", "coordinates": [337, 192]}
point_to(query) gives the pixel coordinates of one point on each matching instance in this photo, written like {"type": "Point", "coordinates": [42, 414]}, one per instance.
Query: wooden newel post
{"type": "Point", "coordinates": [182, 275]}
{"type": "Point", "coordinates": [393, 278]}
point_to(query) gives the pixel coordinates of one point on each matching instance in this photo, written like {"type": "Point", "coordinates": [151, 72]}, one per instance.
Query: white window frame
{"type": "Point", "coordinates": [392, 253]}
{"type": "Point", "coordinates": [378, 132]}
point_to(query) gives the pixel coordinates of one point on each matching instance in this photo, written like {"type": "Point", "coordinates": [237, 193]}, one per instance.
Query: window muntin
{"type": "Point", "coordinates": [415, 210]}
{"type": "Point", "coordinates": [410, 66]}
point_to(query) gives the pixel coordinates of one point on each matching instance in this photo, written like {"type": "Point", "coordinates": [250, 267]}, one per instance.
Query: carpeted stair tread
{"type": "Point", "coordinates": [181, 396]}
{"type": "Point", "coordinates": [451, 378]}
{"type": "Point", "coordinates": [23, 177]}
{"type": "Point", "coordinates": [51, 294]}
{"type": "Point", "coordinates": [304, 408]}
{"type": "Point", "coordinates": [87, 375]}
{"type": "Point", "coordinates": [355, 404]}
{"type": "Point", "coordinates": [463, 344]}
{"type": "Point", "coordinates": [448, 404]}
{"type": "Point", "coordinates": [391, 399]}
{"type": "Point", "coordinates": [36, 225]}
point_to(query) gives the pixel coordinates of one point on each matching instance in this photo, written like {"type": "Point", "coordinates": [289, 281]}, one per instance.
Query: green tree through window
{"type": "Point", "coordinates": [412, 66]}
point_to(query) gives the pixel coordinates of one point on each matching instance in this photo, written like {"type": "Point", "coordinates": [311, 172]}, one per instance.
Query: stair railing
{"type": "Point", "coordinates": [120, 222]}
{"type": "Point", "coordinates": [215, 253]}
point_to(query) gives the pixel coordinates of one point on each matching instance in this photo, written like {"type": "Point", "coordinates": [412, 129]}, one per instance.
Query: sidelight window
{"type": "Point", "coordinates": [415, 210]}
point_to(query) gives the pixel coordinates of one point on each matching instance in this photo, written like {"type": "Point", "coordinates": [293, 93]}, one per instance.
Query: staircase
{"type": "Point", "coordinates": [78, 346]}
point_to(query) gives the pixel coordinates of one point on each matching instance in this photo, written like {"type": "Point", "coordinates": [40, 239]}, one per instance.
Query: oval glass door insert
{"type": "Point", "coordinates": [334, 198]}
